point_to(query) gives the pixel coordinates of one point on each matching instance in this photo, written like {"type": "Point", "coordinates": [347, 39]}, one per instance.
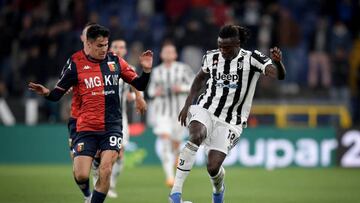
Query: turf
{"type": "Point", "coordinates": [54, 183]}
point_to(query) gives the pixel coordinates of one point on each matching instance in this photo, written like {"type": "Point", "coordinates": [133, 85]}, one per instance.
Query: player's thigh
{"type": "Point", "coordinates": [223, 138]}
{"type": "Point", "coordinates": [108, 158]}
{"type": "Point", "coordinates": [200, 124]}
{"type": "Point", "coordinates": [82, 166]}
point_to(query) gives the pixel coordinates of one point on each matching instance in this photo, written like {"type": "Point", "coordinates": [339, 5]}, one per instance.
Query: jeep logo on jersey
{"type": "Point", "coordinates": [92, 82]}
{"type": "Point", "coordinates": [228, 77]}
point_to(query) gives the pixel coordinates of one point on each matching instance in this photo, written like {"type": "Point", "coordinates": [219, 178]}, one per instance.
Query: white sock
{"type": "Point", "coordinates": [116, 169]}
{"type": "Point", "coordinates": [218, 181]}
{"type": "Point", "coordinates": [167, 159]}
{"type": "Point", "coordinates": [186, 162]}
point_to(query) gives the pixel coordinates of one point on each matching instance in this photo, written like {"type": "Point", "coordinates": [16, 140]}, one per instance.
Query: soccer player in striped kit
{"type": "Point", "coordinates": [169, 86]}
{"type": "Point", "coordinates": [219, 115]}
{"type": "Point", "coordinates": [99, 124]}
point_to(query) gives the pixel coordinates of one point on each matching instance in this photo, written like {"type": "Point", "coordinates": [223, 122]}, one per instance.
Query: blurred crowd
{"type": "Point", "coordinates": [320, 40]}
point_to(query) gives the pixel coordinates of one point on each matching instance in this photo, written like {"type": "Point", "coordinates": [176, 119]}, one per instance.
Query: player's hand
{"type": "Point", "coordinates": [130, 96]}
{"type": "Point", "coordinates": [275, 54]}
{"type": "Point", "coordinates": [159, 91]}
{"type": "Point", "coordinates": [146, 60]}
{"type": "Point", "coordinates": [39, 89]}
{"type": "Point", "coordinates": [183, 115]}
{"type": "Point", "coordinates": [176, 89]}
{"type": "Point", "coordinates": [140, 105]}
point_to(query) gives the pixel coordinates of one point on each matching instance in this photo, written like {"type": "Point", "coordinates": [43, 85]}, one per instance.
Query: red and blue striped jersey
{"type": "Point", "coordinates": [96, 90]}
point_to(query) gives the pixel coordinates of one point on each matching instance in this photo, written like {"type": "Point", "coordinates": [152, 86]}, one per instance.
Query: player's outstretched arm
{"type": "Point", "coordinates": [277, 69]}
{"type": "Point", "coordinates": [196, 86]}
{"type": "Point", "coordinates": [54, 95]}
{"type": "Point", "coordinates": [39, 89]}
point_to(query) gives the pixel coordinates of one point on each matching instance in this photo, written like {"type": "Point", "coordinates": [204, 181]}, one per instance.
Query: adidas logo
{"type": "Point", "coordinates": [87, 67]}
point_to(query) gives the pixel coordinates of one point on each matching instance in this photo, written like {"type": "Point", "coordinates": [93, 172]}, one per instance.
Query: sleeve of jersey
{"type": "Point", "coordinates": [67, 79]}
{"type": "Point", "coordinates": [68, 76]}
{"type": "Point", "coordinates": [205, 64]}
{"type": "Point", "coordinates": [259, 61]}
{"type": "Point", "coordinates": [127, 73]}
{"type": "Point", "coordinates": [130, 76]}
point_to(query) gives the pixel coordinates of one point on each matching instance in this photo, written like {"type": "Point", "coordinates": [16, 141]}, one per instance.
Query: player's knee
{"type": "Point", "coordinates": [213, 169]}
{"type": "Point", "coordinates": [197, 132]}
{"type": "Point", "coordinates": [81, 176]}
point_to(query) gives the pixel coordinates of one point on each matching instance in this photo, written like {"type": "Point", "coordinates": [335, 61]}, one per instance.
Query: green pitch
{"type": "Point", "coordinates": [46, 183]}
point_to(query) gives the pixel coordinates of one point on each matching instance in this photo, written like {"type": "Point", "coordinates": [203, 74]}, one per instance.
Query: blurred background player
{"type": "Point", "coordinates": [169, 86]}
{"type": "Point", "coordinates": [118, 47]}
{"type": "Point", "coordinates": [220, 114]}
{"type": "Point", "coordinates": [99, 123]}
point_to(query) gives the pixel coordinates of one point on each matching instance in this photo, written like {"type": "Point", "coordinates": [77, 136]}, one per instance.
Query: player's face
{"type": "Point", "coordinates": [229, 47]}
{"type": "Point", "coordinates": [98, 48]}
{"type": "Point", "coordinates": [168, 53]}
{"type": "Point", "coordinates": [119, 48]}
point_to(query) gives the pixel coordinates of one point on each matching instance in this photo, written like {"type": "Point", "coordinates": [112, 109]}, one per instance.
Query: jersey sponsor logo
{"type": "Point", "coordinates": [227, 77]}
{"type": "Point", "coordinates": [103, 92]}
{"type": "Point", "coordinates": [222, 85]}
{"type": "Point", "coordinates": [112, 66]}
{"type": "Point", "coordinates": [92, 82]}
{"type": "Point", "coordinates": [86, 67]}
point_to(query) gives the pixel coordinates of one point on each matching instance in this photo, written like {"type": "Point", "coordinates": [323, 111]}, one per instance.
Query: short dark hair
{"type": "Point", "coordinates": [88, 24]}
{"type": "Point", "coordinates": [229, 31]}
{"type": "Point", "coordinates": [95, 31]}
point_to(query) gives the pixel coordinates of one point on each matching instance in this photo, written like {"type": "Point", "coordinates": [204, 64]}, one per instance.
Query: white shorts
{"type": "Point", "coordinates": [221, 136]}
{"type": "Point", "coordinates": [170, 126]}
{"type": "Point", "coordinates": [125, 130]}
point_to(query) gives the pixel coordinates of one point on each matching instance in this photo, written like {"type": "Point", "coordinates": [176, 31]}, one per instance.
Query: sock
{"type": "Point", "coordinates": [186, 162]}
{"type": "Point", "coordinates": [98, 197]}
{"type": "Point", "coordinates": [167, 159]}
{"type": "Point", "coordinates": [84, 187]}
{"type": "Point", "coordinates": [218, 181]}
{"type": "Point", "coordinates": [115, 172]}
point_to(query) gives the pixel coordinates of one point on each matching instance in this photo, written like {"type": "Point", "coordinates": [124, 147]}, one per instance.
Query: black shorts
{"type": "Point", "coordinates": [72, 131]}
{"type": "Point", "coordinates": [88, 143]}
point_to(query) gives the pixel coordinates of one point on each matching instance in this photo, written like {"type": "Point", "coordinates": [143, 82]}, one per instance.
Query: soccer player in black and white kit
{"type": "Point", "coordinates": [219, 115]}
{"type": "Point", "coordinates": [168, 87]}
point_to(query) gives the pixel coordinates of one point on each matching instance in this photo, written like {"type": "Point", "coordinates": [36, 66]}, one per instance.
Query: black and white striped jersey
{"type": "Point", "coordinates": [170, 103]}
{"type": "Point", "coordinates": [231, 86]}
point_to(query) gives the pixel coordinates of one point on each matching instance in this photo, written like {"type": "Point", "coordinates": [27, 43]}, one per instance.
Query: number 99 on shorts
{"type": "Point", "coordinates": [115, 141]}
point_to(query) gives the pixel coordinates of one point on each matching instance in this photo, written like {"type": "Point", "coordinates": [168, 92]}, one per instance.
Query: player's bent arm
{"type": "Point", "coordinates": [141, 82]}
{"type": "Point", "coordinates": [197, 85]}
{"type": "Point", "coordinates": [195, 89]}
{"type": "Point", "coordinates": [276, 70]}
{"type": "Point", "coordinates": [55, 94]}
